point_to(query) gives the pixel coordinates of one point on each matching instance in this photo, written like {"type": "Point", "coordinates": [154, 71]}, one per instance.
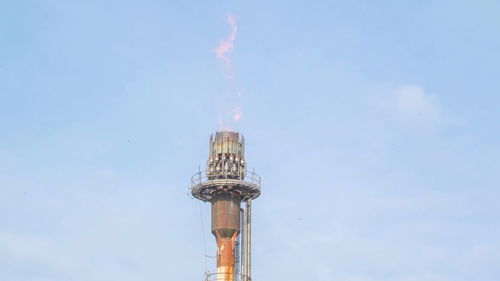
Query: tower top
{"type": "Point", "coordinates": [226, 169]}
{"type": "Point", "coordinates": [227, 156]}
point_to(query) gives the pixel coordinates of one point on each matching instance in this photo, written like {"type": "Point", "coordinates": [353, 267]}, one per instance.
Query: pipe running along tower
{"type": "Point", "coordinates": [226, 184]}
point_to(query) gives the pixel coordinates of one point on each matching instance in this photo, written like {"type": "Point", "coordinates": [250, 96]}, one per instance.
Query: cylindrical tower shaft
{"type": "Point", "coordinates": [226, 213]}
{"type": "Point", "coordinates": [226, 227]}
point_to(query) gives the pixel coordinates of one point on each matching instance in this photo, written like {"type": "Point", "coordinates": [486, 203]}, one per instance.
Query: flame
{"type": "Point", "coordinates": [237, 113]}
{"type": "Point", "coordinates": [227, 45]}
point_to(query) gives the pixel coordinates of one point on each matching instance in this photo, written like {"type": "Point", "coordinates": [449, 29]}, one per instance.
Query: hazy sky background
{"type": "Point", "coordinates": [374, 125]}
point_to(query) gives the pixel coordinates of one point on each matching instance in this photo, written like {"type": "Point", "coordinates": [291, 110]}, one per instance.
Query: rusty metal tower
{"type": "Point", "coordinates": [226, 184]}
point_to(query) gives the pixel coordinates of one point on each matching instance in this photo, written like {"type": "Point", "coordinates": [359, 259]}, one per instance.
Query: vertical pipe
{"type": "Point", "coordinates": [237, 256]}
{"type": "Point", "coordinates": [243, 254]}
{"type": "Point", "coordinates": [248, 240]}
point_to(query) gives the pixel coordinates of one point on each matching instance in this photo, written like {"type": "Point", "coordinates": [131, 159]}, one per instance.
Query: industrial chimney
{"type": "Point", "coordinates": [226, 184]}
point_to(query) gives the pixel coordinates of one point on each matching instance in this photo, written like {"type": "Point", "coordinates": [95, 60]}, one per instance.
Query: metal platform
{"type": "Point", "coordinates": [204, 186]}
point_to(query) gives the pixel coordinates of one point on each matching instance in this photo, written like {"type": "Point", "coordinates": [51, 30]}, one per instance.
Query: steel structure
{"type": "Point", "coordinates": [226, 184]}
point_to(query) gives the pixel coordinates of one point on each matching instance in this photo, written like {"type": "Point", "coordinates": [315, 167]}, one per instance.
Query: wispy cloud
{"type": "Point", "coordinates": [415, 109]}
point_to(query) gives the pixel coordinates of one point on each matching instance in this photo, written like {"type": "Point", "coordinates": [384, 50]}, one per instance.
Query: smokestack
{"type": "Point", "coordinates": [226, 184]}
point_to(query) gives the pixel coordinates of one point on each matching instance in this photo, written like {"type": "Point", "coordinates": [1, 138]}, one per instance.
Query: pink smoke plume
{"type": "Point", "coordinates": [227, 45]}
{"type": "Point", "coordinates": [232, 111]}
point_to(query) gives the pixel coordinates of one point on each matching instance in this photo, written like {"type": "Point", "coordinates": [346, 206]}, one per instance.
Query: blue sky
{"type": "Point", "coordinates": [375, 128]}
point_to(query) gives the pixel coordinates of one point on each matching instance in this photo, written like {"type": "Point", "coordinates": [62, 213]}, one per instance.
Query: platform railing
{"type": "Point", "coordinates": [226, 277]}
{"type": "Point", "coordinates": [202, 177]}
